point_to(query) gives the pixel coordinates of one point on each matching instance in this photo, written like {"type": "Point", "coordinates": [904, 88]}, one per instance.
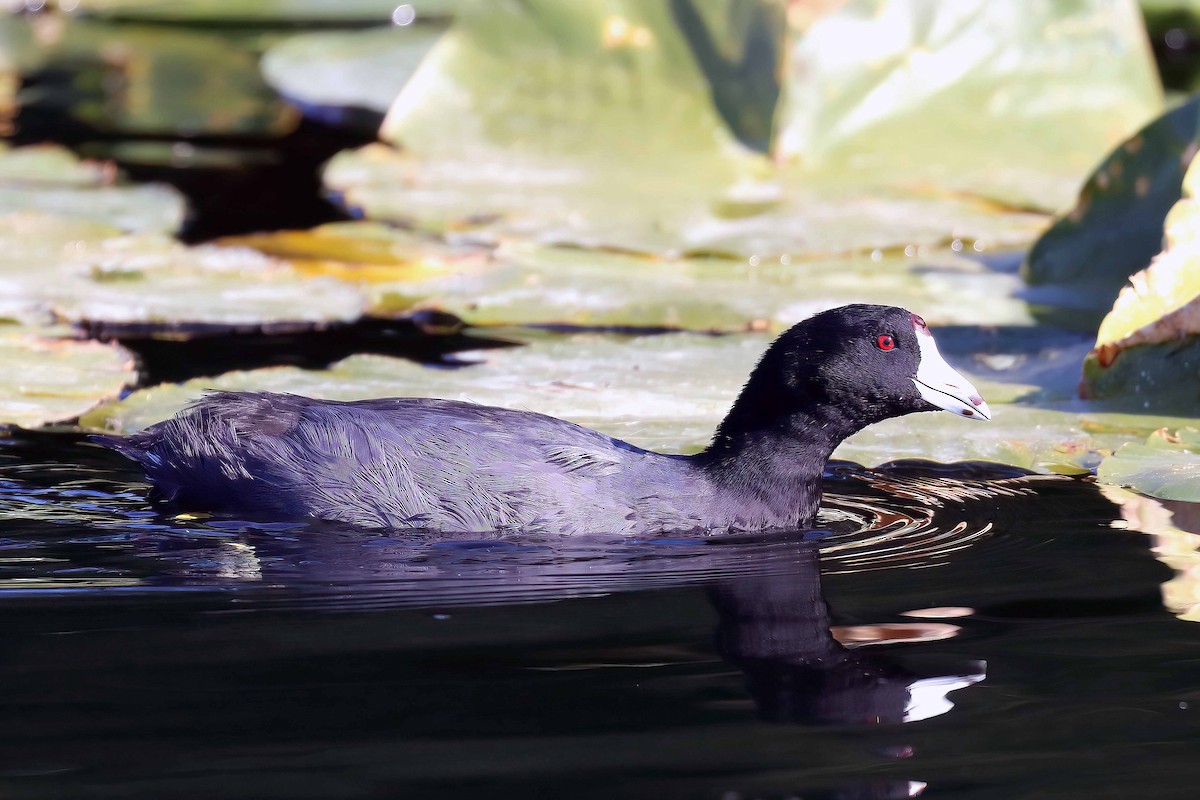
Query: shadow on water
{"type": "Point", "coordinates": [149, 656]}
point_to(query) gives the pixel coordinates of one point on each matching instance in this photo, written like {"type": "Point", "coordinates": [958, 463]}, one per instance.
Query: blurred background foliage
{"type": "Point", "coordinates": [328, 197]}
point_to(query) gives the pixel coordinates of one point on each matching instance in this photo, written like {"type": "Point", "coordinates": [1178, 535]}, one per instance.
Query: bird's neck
{"type": "Point", "coordinates": [770, 464]}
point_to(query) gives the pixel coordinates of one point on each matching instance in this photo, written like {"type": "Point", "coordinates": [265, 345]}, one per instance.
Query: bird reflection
{"type": "Point", "coordinates": [773, 622]}
{"type": "Point", "coordinates": [776, 629]}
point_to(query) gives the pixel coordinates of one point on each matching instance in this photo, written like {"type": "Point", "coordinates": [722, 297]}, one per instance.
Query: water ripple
{"type": "Point", "coordinates": [82, 524]}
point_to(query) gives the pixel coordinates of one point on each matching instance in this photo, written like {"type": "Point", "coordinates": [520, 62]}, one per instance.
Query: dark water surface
{"type": "Point", "coordinates": [147, 656]}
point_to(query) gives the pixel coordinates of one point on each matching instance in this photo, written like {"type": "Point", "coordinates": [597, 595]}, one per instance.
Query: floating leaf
{"type": "Point", "coordinates": [589, 123]}
{"type": "Point", "coordinates": [909, 93]}
{"type": "Point", "coordinates": [156, 79]}
{"type": "Point", "coordinates": [1117, 226]}
{"type": "Point", "coordinates": [51, 179]}
{"type": "Point", "coordinates": [647, 389]}
{"type": "Point", "coordinates": [403, 272]}
{"type": "Point", "coordinates": [18, 52]}
{"type": "Point", "coordinates": [348, 69]}
{"type": "Point", "coordinates": [1166, 466]}
{"type": "Point", "coordinates": [534, 284]}
{"type": "Point", "coordinates": [1148, 347]}
{"type": "Point", "coordinates": [289, 11]}
{"type": "Point", "coordinates": [51, 165]}
{"type": "Point", "coordinates": [1066, 438]}
{"type": "Point", "coordinates": [624, 124]}
{"type": "Point", "coordinates": [77, 272]}
{"type": "Point", "coordinates": [148, 208]}
{"type": "Point", "coordinates": [363, 252]}
{"type": "Point", "coordinates": [54, 379]}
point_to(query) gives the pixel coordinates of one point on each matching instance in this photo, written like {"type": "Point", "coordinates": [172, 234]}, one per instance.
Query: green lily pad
{"type": "Point", "coordinates": [594, 109]}
{"type": "Point", "coordinates": [137, 209]}
{"type": "Point", "coordinates": [646, 389]}
{"type": "Point", "coordinates": [287, 11]}
{"type": "Point", "coordinates": [19, 52]}
{"type": "Point", "coordinates": [524, 118]}
{"type": "Point", "coordinates": [753, 219]}
{"type": "Point", "coordinates": [51, 179]}
{"type": "Point", "coordinates": [1065, 438]}
{"type": "Point", "coordinates": [49, 165]}
{"type": "Point", "coordinates": [348, 69]}
{"type": "Point", "coordinates": [968, 96]}
{"type": "Point", "coordinates": [1147, 350]}
{"type": "Point", "coordinates": [526, 284]}
{"type": "Point", "coordinates": [56, 379]}
{"type": "Point", "coordinates": [1117, 226]}
{"type": "Point", "coordinates": [75, 272]}
{"type": "Point", "coordinates": [1167, 467]}
{"type": "Point", "coordinates": [162, 80]}
{"type": "Point", "coordinates": [535, 284]}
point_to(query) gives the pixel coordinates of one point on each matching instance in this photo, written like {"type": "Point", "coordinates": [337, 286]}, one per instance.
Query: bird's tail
{"type": "Point", "coordinates": [135, 448]}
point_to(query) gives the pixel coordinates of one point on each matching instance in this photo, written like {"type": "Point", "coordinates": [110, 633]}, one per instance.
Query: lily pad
{"type": "Point", "coordinates": [589, 122]}
{"type": "Point", "coordinates": [531, 283]}
{"type": "Point", "coordinates": [908, 93]}
{"type": "Point", "coordinates": [1166, 466]}
{"type": "Point", "coordinates": [1148, 347]}
{"type": "Point", "coordinates": [286, 11]}
{"type": "Point", "coordinates": [1117, 226]}
{"type": "Point", "coordinates": [646, 388]}
{"type": "Point", "coordinates": [56, 379]}
{"type": "Point", "coordinates": [153, 79]}
{"type": "Point", "coordinates": [626, 124]}
{"type": "Point", "coordinates": [75, 272]}
{"type": "Point", "coordinates": [18, 53]}
{"type": "Point", "coordinates": [404, 272]}
{"type": "Point", "coordinates": [51, 179]}
{"type": "Point", "coordinates": [348, 69]}
{"type": "Point", "coordinates": [49, 165]}
{"type": "Point", "coordinates": [363, 251]}
{"type": "Point", "coordinates": [1066, 438]}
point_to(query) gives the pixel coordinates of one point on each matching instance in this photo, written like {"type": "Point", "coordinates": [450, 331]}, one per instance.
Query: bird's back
{"type": "Point", "coordinates": [412, 463]}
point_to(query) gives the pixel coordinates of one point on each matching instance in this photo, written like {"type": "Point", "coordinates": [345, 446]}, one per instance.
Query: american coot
{"type": "Point", "coordinates": [453, 466]}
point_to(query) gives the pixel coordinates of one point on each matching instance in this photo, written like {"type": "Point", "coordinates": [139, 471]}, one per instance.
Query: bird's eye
{"type": "Point", "coordinates": [885, 342]}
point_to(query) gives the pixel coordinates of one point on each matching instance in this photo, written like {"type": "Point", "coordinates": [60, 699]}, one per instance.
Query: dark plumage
{"type": "Point", "coordinates": [445, 465]}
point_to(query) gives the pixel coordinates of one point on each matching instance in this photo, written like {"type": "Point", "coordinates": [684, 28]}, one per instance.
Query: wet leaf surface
{"type": "Point", "coordinates": [76, 271]}
{"type": "Point", "coordinates": [286, 11]}
{"type": "Point", "coordinates": [647, 389]}
{"type": "Point", "coordinates": [149, 79]}
{"type": "Point", "coordinates": [50, 179]}
{"type": "Point", "coordinates": [57, 379]}
{"type": "Point", "coordinates": [348, 69]}
{"type": "Point", "coordinates": [1117, 226]}
{"type": "Point", "coordinates": [1147, 350]}
{"type": "Point", "coordinates": [1167, 466]}
{"type": "Point", "coordinates": [593, 113]}
{"type": "Point", "coordinates": [525, 284]}
{"type": "Point", "coordinates": [899, 93]}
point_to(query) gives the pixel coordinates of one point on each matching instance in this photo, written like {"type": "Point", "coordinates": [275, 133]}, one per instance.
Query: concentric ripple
{"type": "Point", "coordinates": [76, 520]}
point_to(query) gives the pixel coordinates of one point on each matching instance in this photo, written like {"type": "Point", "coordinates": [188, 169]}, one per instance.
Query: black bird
{"type": "Point", "coordinates": [454, 466]}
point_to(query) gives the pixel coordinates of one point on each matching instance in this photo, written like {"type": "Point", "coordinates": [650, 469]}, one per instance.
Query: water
{"type": "Point", "coordinates": [149, 656]}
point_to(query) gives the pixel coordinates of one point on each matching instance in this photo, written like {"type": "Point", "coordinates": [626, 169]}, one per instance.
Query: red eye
{"type": "Point", "coordinates": [886, 342]}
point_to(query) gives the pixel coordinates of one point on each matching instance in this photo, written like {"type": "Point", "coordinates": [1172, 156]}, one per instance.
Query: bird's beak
{"type": "Point", "coordinates": [942, 385]}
